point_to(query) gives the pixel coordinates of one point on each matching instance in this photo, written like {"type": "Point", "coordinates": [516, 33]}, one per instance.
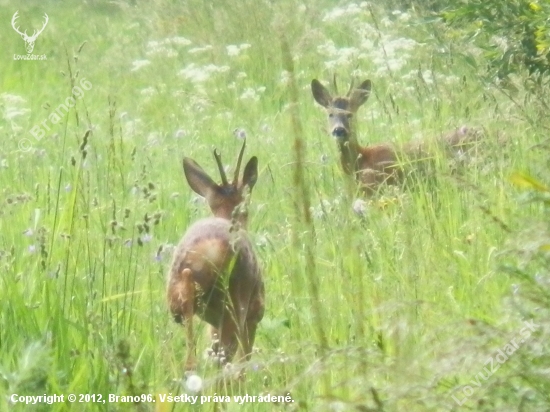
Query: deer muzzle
{"type": "Point", "coordinates": [340, 132]}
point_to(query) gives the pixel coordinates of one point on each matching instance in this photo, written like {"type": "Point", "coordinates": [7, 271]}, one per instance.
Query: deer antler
{"type": "Point", "coordinates": [239, 160]}
{"type": "Point", "coordinates": [218, 158]}
{"type": "Point", "coordinates": [351, 87]}
{"type": "Point", "coordinates": [334, 84]}
{"type": "Point", "coordinates": [24, 34]}
{"type": "Point", "coordinates": [36, 33]}
{"type": "Point", "coordinates": [13, 19]}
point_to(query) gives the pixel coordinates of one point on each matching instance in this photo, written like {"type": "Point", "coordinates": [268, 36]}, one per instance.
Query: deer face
{"type": "Point", "coordinates": [225, 198]}
{"type": "Point", "coordinates": [339, 119]}
{"type": "Point", "coordinates": [341, 110]}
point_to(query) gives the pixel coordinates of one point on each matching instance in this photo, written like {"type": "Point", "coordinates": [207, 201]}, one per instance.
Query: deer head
{"type": "Point", "coordinates": [29, 40]}
{"type": "Point", "coordinates": [223, 199]}
{"type": "Point", "coordinates": [341, 109]}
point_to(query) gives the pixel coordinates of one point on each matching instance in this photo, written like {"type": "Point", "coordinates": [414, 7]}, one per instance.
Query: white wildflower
{"type": "Point", "coordinates": [427, 75]}
{"type": "Point", "coordinates": [404, 17]}
{"type": "Point", "coordinates": [284, 77]}
{"type": "Point", "coordinates": [180, 133]}
{"type": "Point", "coordinates": [11, 112]}
{"type": "Point", "coordinates": [252, 94]}
{"type": "Point", "coordinates": [12, 99]}
{"type": "Point", "coordinates": [180, 41]}
{"type": "Point", "coordinates": [138, 64]}
{"type": "Point", "coordinates": [340, 12]}
{"type": "Point", "coordinates": [199, 74]}
{"type": "Point", "coordinates": [235, 50]}
{"type": "Point", "coordinates": [196, 50]}
{"type": "Point", "coordinates": [148, 91]}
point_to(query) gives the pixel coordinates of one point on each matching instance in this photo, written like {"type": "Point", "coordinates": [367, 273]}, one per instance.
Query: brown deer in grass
{"type": "Point", "coordinates": [214, 272]}
{"type": "Point", "coordinates": [379, 163]}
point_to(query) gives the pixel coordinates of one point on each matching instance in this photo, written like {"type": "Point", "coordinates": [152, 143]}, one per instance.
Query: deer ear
{"type": "Point", "coordinates": [250, 175]}
{"type": "Point", "coordinates": [360, 94]}
{"type": "Point", "coordinates": [320, 93]}
{"type": "Point", "coordinates": [197, 178]}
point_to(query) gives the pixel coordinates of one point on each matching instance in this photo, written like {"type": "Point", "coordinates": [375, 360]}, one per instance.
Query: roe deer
{"type": "Point", "coordinates": [215, 273]}
{"type": "Point", "coordinates": [374, 164]}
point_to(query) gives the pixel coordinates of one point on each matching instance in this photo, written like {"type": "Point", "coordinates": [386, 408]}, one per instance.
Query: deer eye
{"type": "Point", "coordinates": [349, 115]}
{"type": "Point", "coordinates": [330, 115]}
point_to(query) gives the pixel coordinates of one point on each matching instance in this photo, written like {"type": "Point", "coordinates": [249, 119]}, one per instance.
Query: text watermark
{"type": "Point", "coordinates": [494, 362]}
{"type": "Point", "coordinates": [39, 130]}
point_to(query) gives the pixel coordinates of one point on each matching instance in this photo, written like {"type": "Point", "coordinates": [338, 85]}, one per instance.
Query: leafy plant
{"type": "Point", "coordinates": [513, 34]}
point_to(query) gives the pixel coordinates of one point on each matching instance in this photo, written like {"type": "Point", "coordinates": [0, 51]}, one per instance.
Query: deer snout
{"type": "Point", "coordinates": [339, 132]}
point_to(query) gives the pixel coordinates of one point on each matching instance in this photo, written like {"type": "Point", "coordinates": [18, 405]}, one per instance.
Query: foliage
{"type": "Point", "coordinates": [529, 374]}
{"type": "Point", "coordinates": [513, 34]}
{"type": "Point", "coordinates": [393, 306]}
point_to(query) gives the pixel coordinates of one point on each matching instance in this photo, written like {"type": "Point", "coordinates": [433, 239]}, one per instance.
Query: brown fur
{"type": "Point", "coordinates": [381, 163]}
{"type": "Point", "coordinates": [214, 272]}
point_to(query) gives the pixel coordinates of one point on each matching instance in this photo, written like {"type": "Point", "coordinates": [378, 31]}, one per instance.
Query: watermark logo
{"type": "Point", "coordinates": [494, 362]}
{"type": "Point", "coordinates": [29, 40]}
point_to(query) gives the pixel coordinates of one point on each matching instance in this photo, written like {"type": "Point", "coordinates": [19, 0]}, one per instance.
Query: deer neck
{"type": "Point", "coordinates": [349, 151]}
{"type": "Point", "coordinates": [238, 217]}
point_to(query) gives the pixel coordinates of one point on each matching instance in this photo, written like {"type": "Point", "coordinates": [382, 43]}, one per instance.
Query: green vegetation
{"type": "Point", "coordinates": [397, 308]}
{"type": "Point", "coordinates": [514, 34]}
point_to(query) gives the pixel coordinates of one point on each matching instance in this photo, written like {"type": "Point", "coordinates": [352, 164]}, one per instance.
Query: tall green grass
{"type": "Point", "coordinates": [396, 309]}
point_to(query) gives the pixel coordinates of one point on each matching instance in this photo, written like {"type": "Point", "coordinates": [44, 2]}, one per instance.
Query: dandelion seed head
{"type": "Point", "coordinates": [239, 133]}
{"type": "Point", "coordinates": [193, 383]}
{"type": "Point", "coordinates": [360, 207]}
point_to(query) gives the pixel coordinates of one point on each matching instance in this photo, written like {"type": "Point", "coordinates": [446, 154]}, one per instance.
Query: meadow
{"type": "Point", "coordinates": [396, 304]}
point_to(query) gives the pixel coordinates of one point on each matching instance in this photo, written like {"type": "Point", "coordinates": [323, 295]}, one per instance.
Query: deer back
{"type": "Point", "coordinates": [216, 245]}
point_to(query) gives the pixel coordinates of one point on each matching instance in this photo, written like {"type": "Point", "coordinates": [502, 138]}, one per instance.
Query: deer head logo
{"type": "Point", "coordinates": [29, 40]}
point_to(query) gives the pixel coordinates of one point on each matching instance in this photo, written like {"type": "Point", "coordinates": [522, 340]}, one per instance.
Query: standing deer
{"type": "Point", "coordinates": [29, 40]}
{"type": "Point", "coordinates": [214, 272]}
{"type": "Point", "coordinates": [374, 164]}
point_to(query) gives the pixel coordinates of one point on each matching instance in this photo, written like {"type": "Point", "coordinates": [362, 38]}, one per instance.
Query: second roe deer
{"type": "Point", "coordinates": [215, 273]}
{"type": "Point", "coordinates": [374, 164]}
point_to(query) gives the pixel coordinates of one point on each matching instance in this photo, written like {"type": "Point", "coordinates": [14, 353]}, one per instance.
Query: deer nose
{"type": "Point", "coordinates": [339, 132]}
